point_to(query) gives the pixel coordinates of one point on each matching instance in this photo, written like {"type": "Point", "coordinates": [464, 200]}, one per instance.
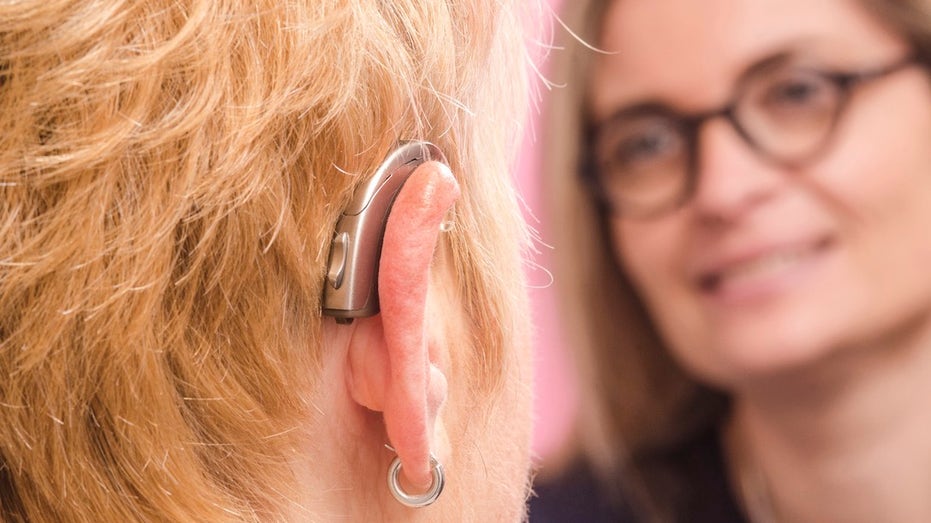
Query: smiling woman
{"type": "Point", "coordinates": [753, 307]}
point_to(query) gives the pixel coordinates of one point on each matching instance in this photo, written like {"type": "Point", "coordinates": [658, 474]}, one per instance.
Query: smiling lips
{"type": "Point", "coordinates": [754, 272]}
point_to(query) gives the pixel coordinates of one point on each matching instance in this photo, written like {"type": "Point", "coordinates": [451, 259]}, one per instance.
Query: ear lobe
{"type": "Point", "coordinates": [389, 360]}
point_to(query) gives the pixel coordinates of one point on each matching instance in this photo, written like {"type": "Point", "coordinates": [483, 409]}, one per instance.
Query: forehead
{"type": "Point", "coordinates": [689, 52]}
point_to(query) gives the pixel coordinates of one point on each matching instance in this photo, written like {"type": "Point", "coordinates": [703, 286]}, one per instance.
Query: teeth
{"type": "Point", "coordinates": [761, 267]}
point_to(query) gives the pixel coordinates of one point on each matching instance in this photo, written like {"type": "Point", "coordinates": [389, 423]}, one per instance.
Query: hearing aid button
{"type": "Point", "coordinates": [337, 265]}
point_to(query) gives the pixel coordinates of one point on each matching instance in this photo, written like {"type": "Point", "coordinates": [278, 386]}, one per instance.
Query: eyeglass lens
{"type": "Point", "coordinates": [644, 160]}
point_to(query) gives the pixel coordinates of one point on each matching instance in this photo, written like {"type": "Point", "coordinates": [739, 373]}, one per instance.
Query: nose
{"type": "Point", "coordinates": [732, 179]}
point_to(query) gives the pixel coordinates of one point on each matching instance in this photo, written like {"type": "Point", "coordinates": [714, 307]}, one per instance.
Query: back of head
{"type": "Point", "coordinates": [170, 175]}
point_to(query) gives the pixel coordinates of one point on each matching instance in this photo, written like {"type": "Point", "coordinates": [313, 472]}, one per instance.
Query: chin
{"type": "Point", "coordinates": [737, 360]}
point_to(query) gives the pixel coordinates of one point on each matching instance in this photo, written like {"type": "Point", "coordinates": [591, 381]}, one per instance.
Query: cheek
{"type": "Point", "coordinates": [889, 209]}
{"type": "Point", "coordinates": [876, 182]}
{"type": "Point", "coordinates": [648, 253]}
{"type": "Point", "coordinates": [880, 171]}
{"type": "Point", "coordinates": [653, 255]}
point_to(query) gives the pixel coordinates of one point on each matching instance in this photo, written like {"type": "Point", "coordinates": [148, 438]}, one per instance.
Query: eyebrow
{"type": "Point", "coordinates": [655, 106]}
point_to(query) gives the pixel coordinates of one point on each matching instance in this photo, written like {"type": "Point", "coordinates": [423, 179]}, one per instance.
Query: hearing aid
{"type": "Point", "coordinates": [351, 286]}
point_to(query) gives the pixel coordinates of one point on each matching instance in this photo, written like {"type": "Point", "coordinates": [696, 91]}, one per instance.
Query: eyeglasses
{"type": "Point", "coordinates": [641, 162]}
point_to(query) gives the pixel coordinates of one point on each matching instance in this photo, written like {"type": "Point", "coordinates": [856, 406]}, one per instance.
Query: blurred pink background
{"type": "Point", "coordinates": [556, 398]}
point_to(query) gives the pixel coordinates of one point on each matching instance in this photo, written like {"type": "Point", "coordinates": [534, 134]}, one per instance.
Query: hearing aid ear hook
{"type": "Point", "coordinates": [351, 287]}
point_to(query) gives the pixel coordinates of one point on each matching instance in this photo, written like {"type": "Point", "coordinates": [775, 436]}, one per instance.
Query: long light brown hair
{"type": "Point", "coordinates": [636, 399]}
{"type": "Point", "coordinates": [170, 173]}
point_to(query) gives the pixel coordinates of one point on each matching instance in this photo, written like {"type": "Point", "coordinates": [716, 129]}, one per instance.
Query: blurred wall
{"type": "Point", "coordinates": [555, 393]}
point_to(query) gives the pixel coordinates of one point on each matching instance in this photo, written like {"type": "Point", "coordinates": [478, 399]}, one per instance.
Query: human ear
{"type": "Point", "coordinates": [389, 363]}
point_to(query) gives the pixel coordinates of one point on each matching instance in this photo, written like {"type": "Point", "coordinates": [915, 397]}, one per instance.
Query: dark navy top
{"type": "Point", "coordinates": [690, 482]}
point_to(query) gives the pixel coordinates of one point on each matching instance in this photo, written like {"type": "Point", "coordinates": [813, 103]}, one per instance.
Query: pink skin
{"type": "Point", "coordinates": [416, 388]}
{"type": "Point", "coordinates": [395, 367]}
{"type": "Point", "coordinates": [392, 368]}
{"type": "Point", "coordinates": [769, 270]}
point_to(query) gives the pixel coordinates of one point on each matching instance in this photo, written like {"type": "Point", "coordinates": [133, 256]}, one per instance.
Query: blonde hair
{"type": "Point", "coordinates": [636, 398]}
{"type": "Point", "coordinates": [170, 173]}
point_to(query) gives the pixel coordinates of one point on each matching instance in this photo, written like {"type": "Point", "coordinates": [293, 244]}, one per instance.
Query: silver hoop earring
{"type": "Point", "coordinates": [416, 500]}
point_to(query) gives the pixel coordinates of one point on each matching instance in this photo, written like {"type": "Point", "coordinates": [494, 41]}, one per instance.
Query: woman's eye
{"type": "Point", "coordinates": [644, 145]}
{"type": "Point", "coordinates": [801, 92]}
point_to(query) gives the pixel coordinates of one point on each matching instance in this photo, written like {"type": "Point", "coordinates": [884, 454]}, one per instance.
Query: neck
{"type": "Point", "coordinates": [341, 464]}
{"type": "Point", "coordinates": [848, 439]}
